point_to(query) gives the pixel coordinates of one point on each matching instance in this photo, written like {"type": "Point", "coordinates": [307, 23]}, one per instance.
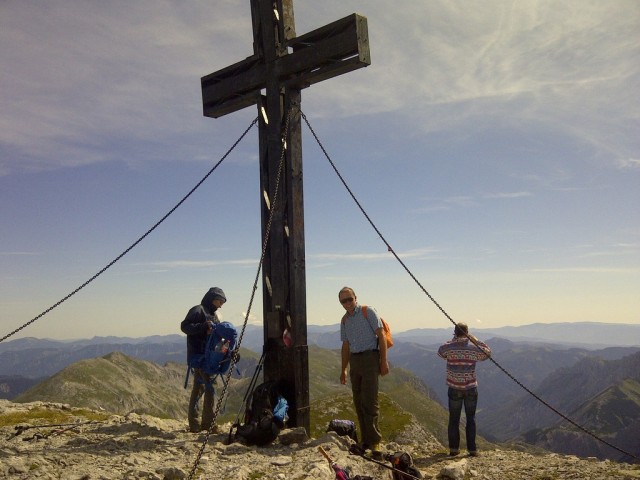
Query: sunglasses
{"type": "Point", "coordinates": [346, 300]}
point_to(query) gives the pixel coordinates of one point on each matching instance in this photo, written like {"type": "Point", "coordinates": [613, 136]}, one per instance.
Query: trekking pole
{"type": "Point", "coordinates": [403, 475]}
{"type": "Point", "coordinates": [19, 429]}
{"type": "Point", "coordinates": [22, 428]}
{"type": "Point", "coordinates": [340, 473]}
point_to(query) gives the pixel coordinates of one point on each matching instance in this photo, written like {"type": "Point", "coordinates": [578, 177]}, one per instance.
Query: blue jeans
{"type": "Point", "coordinates": [457, 398]}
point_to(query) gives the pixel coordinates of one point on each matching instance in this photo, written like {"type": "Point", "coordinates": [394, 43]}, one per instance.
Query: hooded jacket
{"type": "Point", "coordinates": [195, 323]}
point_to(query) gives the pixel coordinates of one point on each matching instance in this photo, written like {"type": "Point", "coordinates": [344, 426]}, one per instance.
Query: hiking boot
{"type": "Point", "coordinates": [358, 448]}
{"type": "Point", "coordinates": [474, 453]}
{"type": "Point", "coordinates": [376, 453]}
{"type": "Point", "coordinates": [213, 428]}
{"type": "Point", "coordinates": [453, 453]}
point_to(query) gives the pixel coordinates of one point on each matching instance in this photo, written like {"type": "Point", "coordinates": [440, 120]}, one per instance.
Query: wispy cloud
{"type": "Point", "coordinates": [528, 64]}
{"type": "Point", "coordinates": [17, 254]}
{"type": "Point", "coordinates": [443, 204]}
{"type": "Point", "coordinates": [466, 201]}
{"type": "Point", "coordinates": [508, 195]}
{"type": "Point", "coordinates": [101, 74]}
{"type": "Point", "coordinates": [96, 77]}
{"type": "Point", "coordinates": [253, 319]}
{"type": "Point", "coordinates": [339, 257]}
{"type": "Point", "coordinates": [629, 163]}
{"type": "Point", "coordinates": [621, 270]}
{"type": "Point", "coordinates": [197, 264]}
{"type": "Point", "coordinates": [614, 250]}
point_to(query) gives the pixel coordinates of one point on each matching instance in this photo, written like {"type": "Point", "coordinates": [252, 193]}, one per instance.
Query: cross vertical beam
{"type": "Point", "coordinates": [284, 283]}
{"type": "Point", "coordinates": [281, 65]}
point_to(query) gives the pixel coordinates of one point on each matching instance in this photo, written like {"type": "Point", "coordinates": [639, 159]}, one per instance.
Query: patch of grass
{"type": "Point", "coordinates": [326, 409]}
{"type": "Point", "coordinates": [392, 419]}
{"type": "Point", "coordinates": [409, 392]}
{"type": "Point", "coordinates": [45, 416]}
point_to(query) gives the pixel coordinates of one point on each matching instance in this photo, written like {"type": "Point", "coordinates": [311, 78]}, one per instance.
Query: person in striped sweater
{"type": "Point", "coordinates": [461, 354]}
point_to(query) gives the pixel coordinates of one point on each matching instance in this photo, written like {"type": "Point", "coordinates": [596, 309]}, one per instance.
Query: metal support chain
{"type": "Point", "coordinates": [110, 264]}
{"type": "Point", "coordinates": [265, 242]}
{"type": "Point", "coordinates": [390, 249]}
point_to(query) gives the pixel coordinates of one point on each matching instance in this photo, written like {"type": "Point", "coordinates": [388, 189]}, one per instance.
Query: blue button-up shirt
{"type": "Point", "coordinates": [359, 331]}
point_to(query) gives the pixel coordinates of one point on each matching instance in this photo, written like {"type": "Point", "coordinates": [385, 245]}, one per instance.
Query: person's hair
{"type": "Point", "coordinates": [347, 289]}
{"type": "Point", "coordinates": [461, 330]}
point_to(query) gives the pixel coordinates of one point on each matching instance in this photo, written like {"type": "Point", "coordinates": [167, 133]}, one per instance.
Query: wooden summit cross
{"type": "Point", "coordinates": [281, 66]}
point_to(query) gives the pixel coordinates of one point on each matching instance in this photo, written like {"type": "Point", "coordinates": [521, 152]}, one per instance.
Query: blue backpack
{"type": "Point", "coordinates": [216, 358]}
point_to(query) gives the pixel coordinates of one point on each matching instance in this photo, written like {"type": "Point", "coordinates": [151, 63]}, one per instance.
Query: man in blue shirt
{"type": "Point", "coordinates": [360, 331]}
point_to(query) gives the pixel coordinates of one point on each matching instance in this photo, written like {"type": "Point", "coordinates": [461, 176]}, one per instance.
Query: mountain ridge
{"type": "Point", "coordinates": [122, 385]}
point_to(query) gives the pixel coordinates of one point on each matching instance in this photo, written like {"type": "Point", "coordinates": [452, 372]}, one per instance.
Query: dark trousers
{"type": "Point", "coordinates": [364, 371]}
{"type": "Point", "coordinates": [457, 398]}
{"type": "Point", "coordinates": [202, 383]}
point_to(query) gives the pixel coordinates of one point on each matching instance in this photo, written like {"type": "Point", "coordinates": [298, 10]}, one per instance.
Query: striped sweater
{"type": "Point", "coordinates": [461, 356]}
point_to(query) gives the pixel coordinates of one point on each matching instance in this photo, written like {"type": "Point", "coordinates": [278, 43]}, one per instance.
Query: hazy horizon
{"type": "Point", "coordinates": [397, 333]}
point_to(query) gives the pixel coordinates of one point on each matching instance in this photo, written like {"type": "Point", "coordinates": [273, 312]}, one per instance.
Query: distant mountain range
{"type": "Point", "coordinates": [530, 363]}
{"type": "Point", "coordinates": [593, 335]}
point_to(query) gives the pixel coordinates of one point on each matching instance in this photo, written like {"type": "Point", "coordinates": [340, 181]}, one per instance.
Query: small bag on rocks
{"type": "Point", "coordinates": [344, 428]}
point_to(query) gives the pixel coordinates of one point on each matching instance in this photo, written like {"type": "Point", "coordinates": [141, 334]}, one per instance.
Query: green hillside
{"type": "Point", "coordinates": [116, 383]}
{"type": "Point", "coordinates": [121, 384]}
{"type": "Point", "coordinates": [613, 415]}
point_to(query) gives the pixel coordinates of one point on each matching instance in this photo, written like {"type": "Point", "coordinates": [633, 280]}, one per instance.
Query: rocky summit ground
{"type": "Point", "coordinates": [94, 445]}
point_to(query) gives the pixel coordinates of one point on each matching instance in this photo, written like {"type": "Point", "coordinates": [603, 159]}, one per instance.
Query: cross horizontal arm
{"type": "Point", "coordinates": [233, 88]}
{"type": "Point", "coordinates": [329, 51]}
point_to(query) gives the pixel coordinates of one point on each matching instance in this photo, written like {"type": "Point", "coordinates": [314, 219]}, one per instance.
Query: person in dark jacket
{"type": "Point", "coordinates": [197, 325]}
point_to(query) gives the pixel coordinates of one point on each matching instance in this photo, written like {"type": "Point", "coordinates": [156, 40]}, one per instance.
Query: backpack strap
{"type": "Point", "coordinates": [364, 312]}
{"type": "Point", "coordinates": [366, 316]}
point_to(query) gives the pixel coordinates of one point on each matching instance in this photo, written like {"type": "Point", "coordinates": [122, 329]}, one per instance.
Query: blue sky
{"type": "Point", "coordinates": [496, 145]}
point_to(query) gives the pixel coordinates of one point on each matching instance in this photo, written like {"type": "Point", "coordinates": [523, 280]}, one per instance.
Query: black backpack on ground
{"type": "Point", "coordinates": [403, 463]}
{"type": "Point", "coordinates": [265, 415]}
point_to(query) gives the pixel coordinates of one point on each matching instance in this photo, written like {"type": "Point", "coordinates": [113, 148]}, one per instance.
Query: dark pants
{"type": "Point", "coordinates": [364, 371]}
{"type": "Point", "coordinates": [202, 382]}
{"type": "Point", "coordinates": [457, 398]}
